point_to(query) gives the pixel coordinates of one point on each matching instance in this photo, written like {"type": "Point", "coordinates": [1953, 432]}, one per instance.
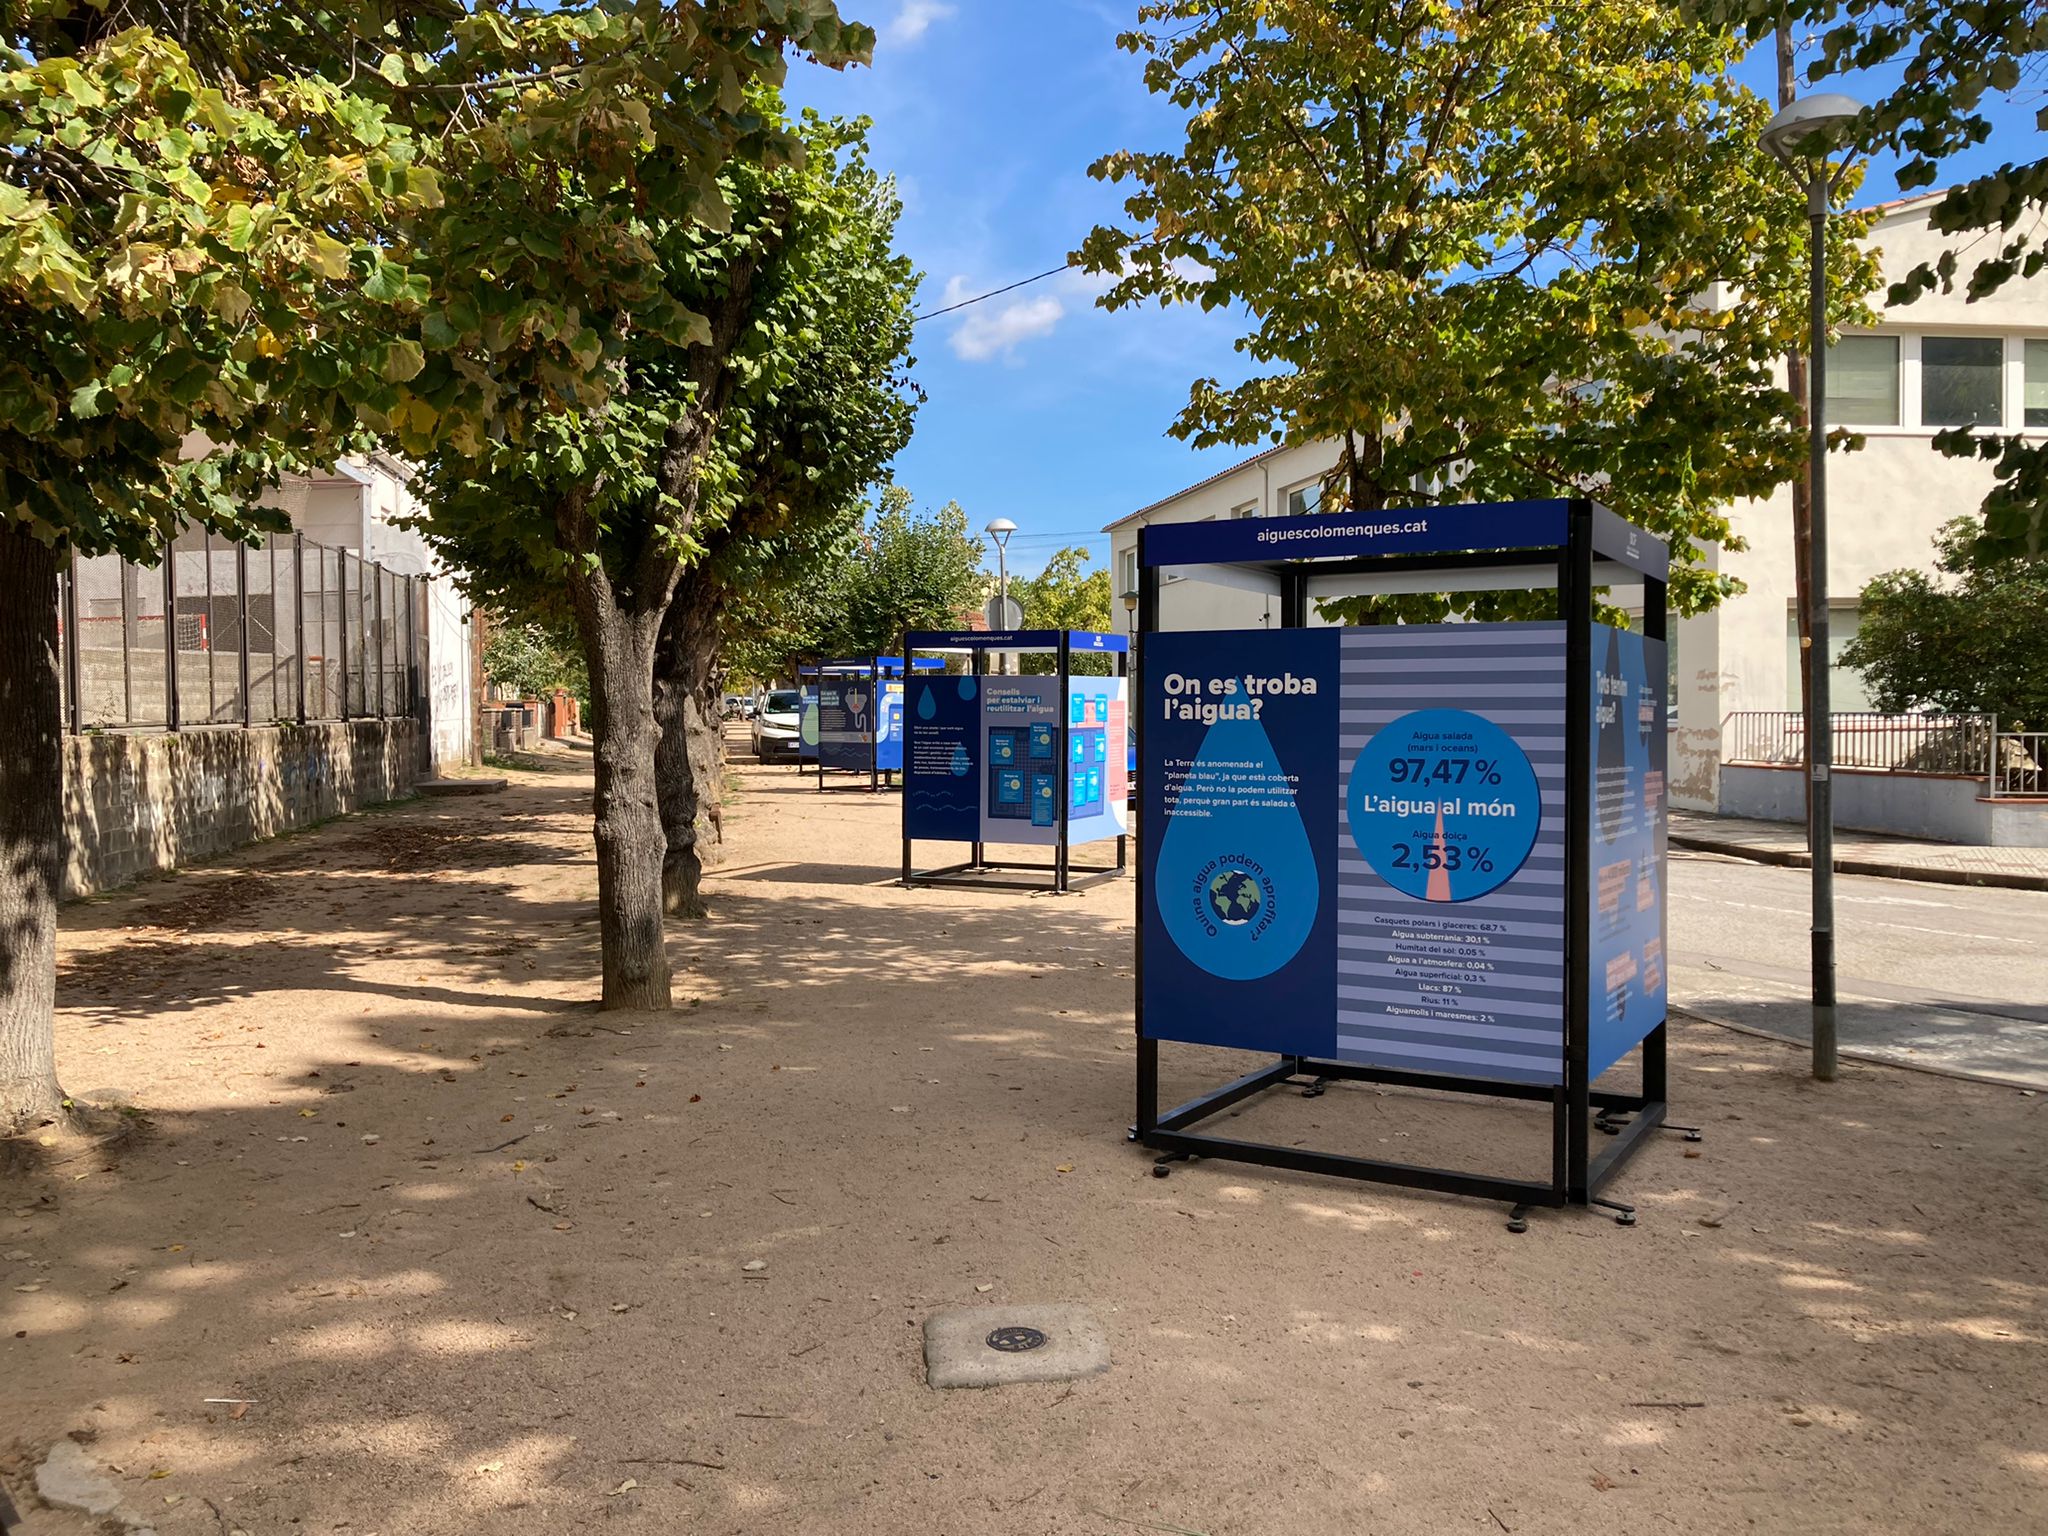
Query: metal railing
{"type": "Point", "coordinates": [220, 633]}
{"type": "Point", "coordinates": [2019, 766]}
{"type": "Point", "coordinates": [1957, 744]}
{"type": "Point", "coordinates": [2012, 764]}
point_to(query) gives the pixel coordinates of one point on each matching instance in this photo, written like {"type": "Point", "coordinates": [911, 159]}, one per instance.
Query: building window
{"type": "Point", "coordinates": [1846, 687]}
{"type": "Point", "coordinates": [1304, 499]}
{"type": "Point", "coordinates": [1962, 381]}
{"type": "Point", "coordinates": [1248, 509]}
{"type": "Point", "coordinates": [1130, 573]}
{"type": "Point", "coordinates": [1863, 381]}
{"type": "Point", "coordinates": [2036, 402]}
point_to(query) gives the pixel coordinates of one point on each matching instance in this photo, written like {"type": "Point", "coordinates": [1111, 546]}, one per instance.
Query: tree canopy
{"type": "Point", "coordinates": [906, 571]}
{"type": "Point", "coordinates": [1968, 641]}
{"type": "Point", "coordinates": [1551, 222]}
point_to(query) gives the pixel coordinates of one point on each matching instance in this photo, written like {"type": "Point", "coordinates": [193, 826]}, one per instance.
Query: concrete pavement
{"type": "Point", "coordinates": [1864, 853]}
{"type": "Point", "coordinates": [1953, 977]}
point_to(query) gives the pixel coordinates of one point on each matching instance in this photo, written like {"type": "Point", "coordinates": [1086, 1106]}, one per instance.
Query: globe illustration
{"type": "Point", "coordinates": [1234, 897]}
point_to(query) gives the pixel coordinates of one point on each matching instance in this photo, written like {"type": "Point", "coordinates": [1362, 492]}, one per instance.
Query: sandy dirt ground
{"type": "Point", "coordinates": [474, 1253]}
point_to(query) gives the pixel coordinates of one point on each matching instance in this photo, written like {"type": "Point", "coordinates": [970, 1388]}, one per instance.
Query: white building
{"type": "Point", "coordinates": [358, 507]}
{"type": "Point", "coordinates": [1937, 363]}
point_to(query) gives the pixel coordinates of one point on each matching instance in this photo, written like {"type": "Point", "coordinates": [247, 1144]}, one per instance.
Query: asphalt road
{"type": "Point", "coordinates": [1941, 975]}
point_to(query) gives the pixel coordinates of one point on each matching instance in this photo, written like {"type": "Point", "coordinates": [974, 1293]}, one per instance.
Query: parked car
{"type": "Point", "coordinates": [776, 726]}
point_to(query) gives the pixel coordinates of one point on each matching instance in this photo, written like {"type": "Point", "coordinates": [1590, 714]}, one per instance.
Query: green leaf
{"type": "Point", "coordinates": [403, 361]}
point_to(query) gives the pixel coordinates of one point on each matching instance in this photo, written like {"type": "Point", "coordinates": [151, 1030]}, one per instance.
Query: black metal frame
{"type": "Point", "coordinates": [1576, 1177]}
{"type": "Point", "coordinates": [975, 872]}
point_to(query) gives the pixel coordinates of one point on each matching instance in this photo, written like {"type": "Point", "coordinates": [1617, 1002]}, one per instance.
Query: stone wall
{"type": "Point", "coordinates": [136, 802]}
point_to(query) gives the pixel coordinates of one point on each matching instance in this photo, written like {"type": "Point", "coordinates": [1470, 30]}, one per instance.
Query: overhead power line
{"type": "Point", "coordinates": [993, 293]}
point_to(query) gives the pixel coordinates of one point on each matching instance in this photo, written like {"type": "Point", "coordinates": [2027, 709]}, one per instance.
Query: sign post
{"type": "Point", "coordinates": [1423, 855]}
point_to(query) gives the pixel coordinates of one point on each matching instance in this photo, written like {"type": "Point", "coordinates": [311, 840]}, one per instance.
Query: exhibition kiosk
{"type": "Point", "coordinates": [1423, 855]}
{"type": "Point", "coordinates": [859, 715]}
{"type": "Point", "coordinates": [993, 759]}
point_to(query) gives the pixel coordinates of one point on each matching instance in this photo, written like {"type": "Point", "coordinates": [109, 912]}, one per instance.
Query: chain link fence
{"type": "Point", "coordinates": [219, 633]}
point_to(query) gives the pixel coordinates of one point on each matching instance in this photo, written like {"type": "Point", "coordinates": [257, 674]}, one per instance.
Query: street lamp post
{"type": "Point", "coordinates": [1000, 530]}
{"type": "Point", "coordinates": [1800, 136]}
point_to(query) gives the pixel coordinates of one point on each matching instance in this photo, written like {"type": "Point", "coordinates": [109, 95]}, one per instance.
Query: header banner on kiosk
{"type": "Point", "coordinates": [1079, 641]}
{"type": "Point", "coordinates": [1320, 535]}
{"type": "Point", "coordinates": [1361, 852]}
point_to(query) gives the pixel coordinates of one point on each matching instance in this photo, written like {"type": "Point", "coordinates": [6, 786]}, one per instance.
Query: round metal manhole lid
{"type": "Point", "coordinates": [1015, 1341]}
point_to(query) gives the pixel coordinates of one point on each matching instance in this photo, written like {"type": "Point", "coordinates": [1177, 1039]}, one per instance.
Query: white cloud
{"type": "Point", "coordinates": [915, 19]}
{"type": "Point", "coordinates": [996, 327]}
{"type": "Point", "coordinates": [988, 330]}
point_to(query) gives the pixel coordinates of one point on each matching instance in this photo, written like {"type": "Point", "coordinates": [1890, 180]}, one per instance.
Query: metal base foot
{"type": "Point", "coordinates": [1518, 1220]}
{"type": "Point", "coordinates": [1624, 1215]}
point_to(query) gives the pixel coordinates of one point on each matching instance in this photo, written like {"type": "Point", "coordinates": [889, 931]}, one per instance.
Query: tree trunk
{"type": "Point", "coordinates": [31, 829]}
{"type": "Point", "coordinates": [619, 627]}
{"type": "Point", "coordinates": [690, 763]}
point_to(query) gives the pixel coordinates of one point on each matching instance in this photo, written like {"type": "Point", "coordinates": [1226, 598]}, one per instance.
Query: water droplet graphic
{"type": "Point", "coordinates": [927, 706]}
{"type": "Point", "coordinates": [1239, 887]}
{"type": "Point", "coordinates": [967, 688]}
{"type": "Point", "coordinates": [960, 765]}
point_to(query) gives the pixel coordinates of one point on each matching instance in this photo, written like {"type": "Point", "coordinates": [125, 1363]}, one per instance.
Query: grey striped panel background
{"type": "Point", "coordinates": [1513, 675]}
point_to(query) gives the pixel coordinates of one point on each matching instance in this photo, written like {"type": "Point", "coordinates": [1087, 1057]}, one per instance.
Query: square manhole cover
{"type": "Point", "coordinates": [999, 1346]}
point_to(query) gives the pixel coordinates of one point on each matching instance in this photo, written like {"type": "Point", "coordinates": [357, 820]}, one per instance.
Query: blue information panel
{"type": "Point", "coordinates": [1362, 852]}
{"type": "Point", "coordinates": [889, 745]}
{"type": "Point", "coordinates": [983, 759]}
{"type": "Point", "coordinates": [1626, 976]}
{"type": "Point", "coordinates": [846, 721]}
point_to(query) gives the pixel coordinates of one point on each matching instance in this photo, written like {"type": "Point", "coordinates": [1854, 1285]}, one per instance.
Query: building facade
{"type": "Point", "coordinates": [1920, 369]}
{"type": "Point", "coordinates": [360, 506]}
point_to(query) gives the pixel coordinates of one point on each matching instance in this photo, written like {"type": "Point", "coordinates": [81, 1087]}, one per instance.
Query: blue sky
{"type": "Point", "coordinates": [1044, 409]}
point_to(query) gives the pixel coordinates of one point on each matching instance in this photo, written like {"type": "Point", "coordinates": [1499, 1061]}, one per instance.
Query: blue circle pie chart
{"type": "Point", "coordinates": [1444, 805]}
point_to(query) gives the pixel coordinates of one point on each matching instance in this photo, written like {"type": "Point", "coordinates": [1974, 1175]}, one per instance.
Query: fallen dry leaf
{"type": "Point", "coordinates": [1603, 1482]}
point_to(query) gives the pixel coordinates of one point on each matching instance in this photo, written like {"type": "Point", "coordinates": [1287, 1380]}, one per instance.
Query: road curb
{"type": "Point", "coordinates": [1792, 858]}
{"type": "Point", "coordinates": [1864, 1058]}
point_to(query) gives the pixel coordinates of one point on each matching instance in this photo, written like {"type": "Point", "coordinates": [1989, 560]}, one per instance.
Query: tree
{"type": "Point", "coordinates": [1948, 58]}
{"type": "Point", "coordinates": [1064, 595]}
{"type": "Point", "coordinates": [808, 454]}
{"type": "Point", "coordinates": [535, 658]}
{"type": "Point", "coordinates": [1493, 249]}
{"type": "Point", "coordinates": [231, 225]}
{"type": "Point", "coordinates": [909, 572]}
{"type": "Point", "coordinates": [1973, 644]}
{"type": "Point", "coordinates": [174, 253]}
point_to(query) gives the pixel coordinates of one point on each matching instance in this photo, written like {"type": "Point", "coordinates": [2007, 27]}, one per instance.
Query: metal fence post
{"type": "Point", "coordinates": [384, 640]}
{"type": "Point", "coordinates": [242, 622]}
{"type": "Point", "coordinates": [74, 664]}
{"type": "Point", "coordinates": [341, 591]}
{"type": "Point", "coordinates": [170, 636]}
{"type": "Point", "coordinates": [299, 617]}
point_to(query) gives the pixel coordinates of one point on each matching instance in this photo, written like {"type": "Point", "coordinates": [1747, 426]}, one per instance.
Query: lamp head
{"type": "Point", "coordinates": [1000, 530]}
{"type": "Point", "coordinates": [1809, 128]}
